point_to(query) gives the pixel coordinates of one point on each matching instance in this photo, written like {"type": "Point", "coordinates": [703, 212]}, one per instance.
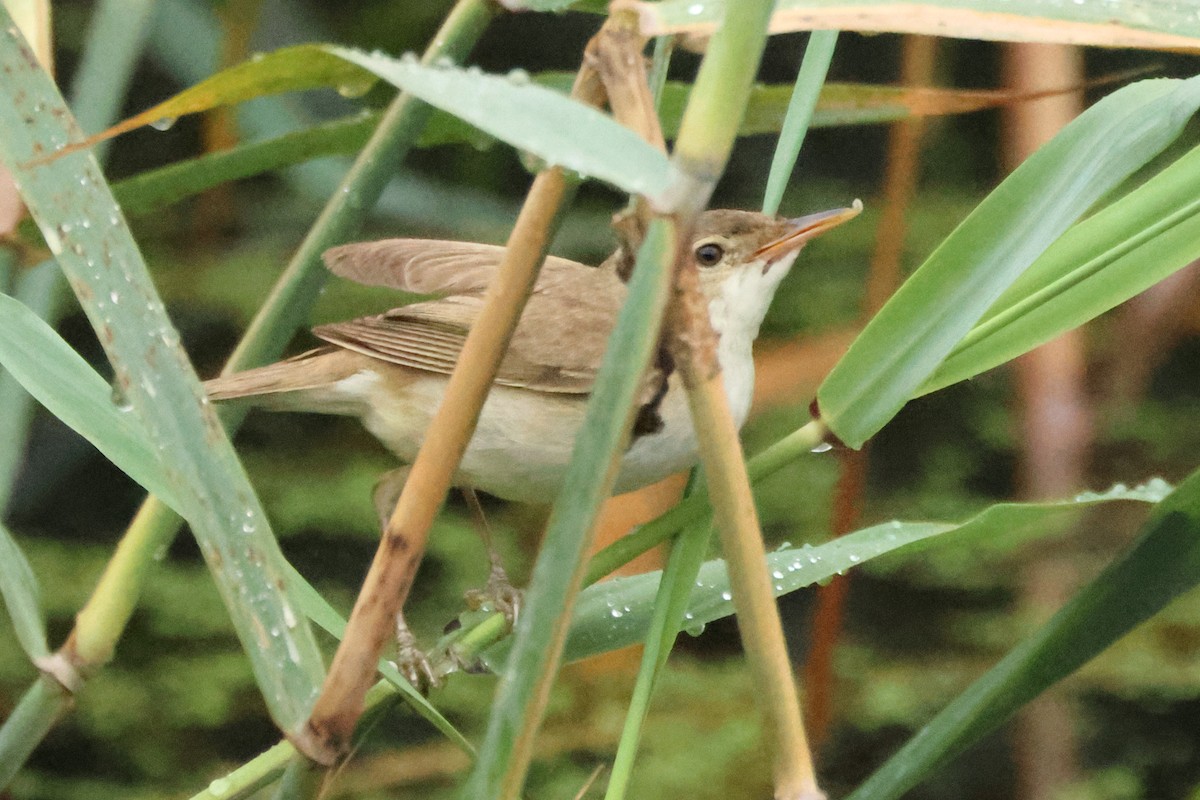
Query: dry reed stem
{"type": "Point", "coordinates": [693, 346]}
{"type": "Point", "coordinates": [753, 598]}
{"type": "Point", "coordinates": [389, 579]}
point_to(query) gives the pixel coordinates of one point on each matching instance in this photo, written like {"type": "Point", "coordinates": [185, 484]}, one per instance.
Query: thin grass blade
{"type": "Point", "coordinates": [43, 703]}
{"type": "Point", "coordinates": [818, 53]}
{"type": "Point", "coordinates": [616, 613]}
{"type": "Point", "coordinates": [516, 110]}
{"type": "Point", "coordinates": [290, 69]}
{"type": "Point", "coordinates": [37, 288]}
{"type": "Point", "coordinates": [58, 378]}
{"type": "Point", "coordinates": [22, 597]}
{"type": "Point", "coordinates": [670, 606]}
{"type": "Point", "coordinates": [317, 608]}
{"type": "Point", "coordinates": [840, 104]}
{"type": "Point", "coordinates": [537, 641]}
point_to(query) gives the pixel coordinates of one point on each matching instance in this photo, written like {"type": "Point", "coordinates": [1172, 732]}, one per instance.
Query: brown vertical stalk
{"type": "Point", "coordinates": [1055, 422]}
{"type": "Point", "coordinates": [693, 347]}
{"type": "Point", "coordinates": [389, 579]}
{"type": "Point", "coordinates": [819, 678]}
{"type": "Point", "coordinates": [753, 599]}
{"type": "Point", "coordinates": [1148, 325]}
{"type": "Point", "coordinates": [900, 182]}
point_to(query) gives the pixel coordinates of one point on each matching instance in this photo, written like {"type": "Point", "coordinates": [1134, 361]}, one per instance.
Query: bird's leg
{"type": "Point", "coordinates": [387, 491]}
{"type": "Point", "coordinates": [412, 662]}
{"type": "Point", "coordinates": [498, 592]}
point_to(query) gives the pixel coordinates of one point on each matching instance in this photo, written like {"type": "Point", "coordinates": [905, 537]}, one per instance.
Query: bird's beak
{"type": "Point", "coordinates": [804, 228]}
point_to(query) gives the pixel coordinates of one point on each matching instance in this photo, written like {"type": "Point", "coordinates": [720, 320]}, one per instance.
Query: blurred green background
{"type": "Point", "coordinates": [178, 707]}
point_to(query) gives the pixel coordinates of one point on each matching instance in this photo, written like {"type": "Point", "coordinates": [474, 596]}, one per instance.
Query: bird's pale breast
{"type": "Point", "coordinates": [524, 440]}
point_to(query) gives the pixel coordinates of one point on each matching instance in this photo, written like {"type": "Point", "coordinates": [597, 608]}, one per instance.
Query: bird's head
{"type": "Point", "coordinates": [743, 255]}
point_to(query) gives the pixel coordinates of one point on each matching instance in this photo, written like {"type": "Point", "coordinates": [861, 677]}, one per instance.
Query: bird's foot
{"type": "Point", "coordinates": [498, 594]}
{"type": "Point", "coordinates": [412, 662]}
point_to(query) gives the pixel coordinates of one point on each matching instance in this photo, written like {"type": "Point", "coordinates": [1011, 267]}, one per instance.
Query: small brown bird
{"type": "Point", "coordinates": [391, 370]}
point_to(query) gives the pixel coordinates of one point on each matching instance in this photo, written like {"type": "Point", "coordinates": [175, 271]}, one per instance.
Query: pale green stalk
{"type": "Point", "coordinates": [670, 605]}
{"type": "Point", "coordinates": [813, 70]}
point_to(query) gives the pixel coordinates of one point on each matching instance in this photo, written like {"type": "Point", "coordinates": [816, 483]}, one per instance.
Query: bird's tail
{"type": "Point", "coordinates": [288, 384]}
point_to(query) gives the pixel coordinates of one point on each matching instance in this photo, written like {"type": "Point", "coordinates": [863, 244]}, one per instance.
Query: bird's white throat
{"type": "Point", "coordinates": [736, 312]}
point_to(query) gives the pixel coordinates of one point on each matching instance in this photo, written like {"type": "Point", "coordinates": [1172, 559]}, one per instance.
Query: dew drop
{"type": "Point", "coordinates": [53, 241]}
{"type": "Point", "coordinates": [164, 124]}
{"type": "Point", "coordinates": [518, 77]}
{"type": "Point", "coordinates": [293, 651]}
{"type": "Point", "coordinates": [823, 447]}
{"type": "Point", "coordinates": [726, 596]}
{"type": "Point", "coordinates": [355, 88]}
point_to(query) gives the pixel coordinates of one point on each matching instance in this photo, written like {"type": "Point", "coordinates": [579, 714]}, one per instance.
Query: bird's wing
{"type": "Point", "coordinates": [557, 347]}
{"type": "Point", "coordinates": [425, 266]}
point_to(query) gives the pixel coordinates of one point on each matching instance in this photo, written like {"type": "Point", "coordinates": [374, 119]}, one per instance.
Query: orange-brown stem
{"type": "Point", "coordinates": [1055, 419]}
{"type": "Point", "coordinates": [390, 577]}
{"type": "Point", "coordinates": [831, 599]}
{"type": "Point", "coordinates": [395, 564]}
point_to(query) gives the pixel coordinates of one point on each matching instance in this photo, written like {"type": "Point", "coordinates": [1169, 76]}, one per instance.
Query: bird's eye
{"type": "Point", "coordinates": [708, 255]}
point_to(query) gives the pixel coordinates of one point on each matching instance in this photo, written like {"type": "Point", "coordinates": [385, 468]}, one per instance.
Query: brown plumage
{"type": "Point", "coordinates": [390, 369]}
